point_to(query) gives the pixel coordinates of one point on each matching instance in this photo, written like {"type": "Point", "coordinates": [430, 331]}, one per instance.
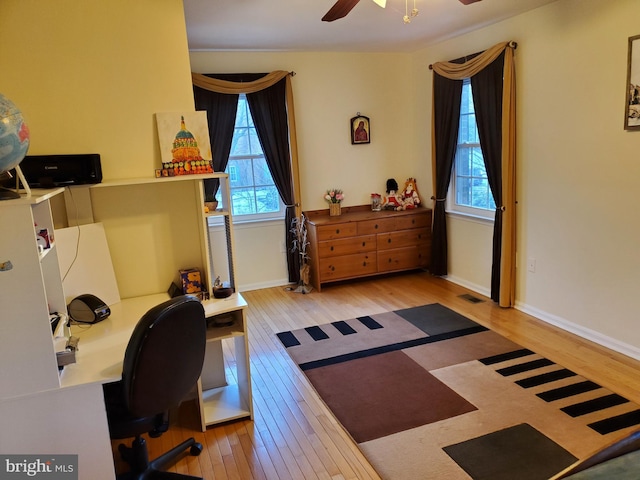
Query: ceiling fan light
{"type": "Point", "coordinates": [382, 3]}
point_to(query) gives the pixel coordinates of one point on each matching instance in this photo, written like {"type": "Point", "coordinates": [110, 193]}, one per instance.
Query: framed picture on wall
{"type": "Point", "coordinates": [632, 113]}
{"type": "Point", "coordinates": [360, 129]}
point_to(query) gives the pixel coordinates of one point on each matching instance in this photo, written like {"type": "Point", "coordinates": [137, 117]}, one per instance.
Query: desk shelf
{"type": "Point", "coordinates": [222, 398]}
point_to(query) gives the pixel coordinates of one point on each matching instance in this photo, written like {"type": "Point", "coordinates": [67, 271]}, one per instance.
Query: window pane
{"type": "Point", "coordinates": [242, 113]}
{"type": "Point", "coordinates": [477, 163]}
{"type": "Point", "coordinates": [255, 147]}
{"type": "Point", "coordinates": [240, 143]}
{"type": "Point", "coordinates": [243, 175]}
{"type": "Point", "coordinates": [261, 173]}
{"type": "Point", "coordinates": [267, 199]}
{"type": "Point", "coordinates": [463, 191]}
{"type": "Point", "coordinates": [463, 161]}
{"type": "Point", "coordinates": [243, 201]}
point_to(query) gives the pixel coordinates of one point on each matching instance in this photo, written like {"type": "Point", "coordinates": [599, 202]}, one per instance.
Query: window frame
{"type": "Point", "coordinates": [250, 217]}
{"type": "Point", "coordinates": [451, 205]}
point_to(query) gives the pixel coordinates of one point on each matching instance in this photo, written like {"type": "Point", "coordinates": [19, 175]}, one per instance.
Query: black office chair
{"type": "Point", "coordinates": [162, 363]}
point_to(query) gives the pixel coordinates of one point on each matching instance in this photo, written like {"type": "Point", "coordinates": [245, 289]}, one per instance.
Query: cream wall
{"type": "Point", "coordinates": [89, 76]}
{"type": "Point", "coordinates": [577, 167]}
{"type": "Point", "coordinates": [329, 89]}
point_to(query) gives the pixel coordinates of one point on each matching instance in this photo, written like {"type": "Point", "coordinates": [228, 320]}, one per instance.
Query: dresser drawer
{"type": "Point", "coordinates": [346, 246]}
{"type": "Point", "coordinates": [337, 230]}
{"type": "Point", "coordinates": [347, 266]}
{"type": "Point", "coordinates": [404, 238]}
{"type": "Point", "coordinates": [393, 224]}
{"type": "Point", "coordinates": [403, 258]}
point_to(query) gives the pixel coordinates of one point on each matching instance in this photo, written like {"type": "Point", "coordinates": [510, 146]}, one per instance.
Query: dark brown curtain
{"type": "Point", "coordinates": [221, 115]}
{"type": "Point", "coordinates": [487, 89]}
{"type": "Point", "coordinates": [447, 96]}
{"type": "Point", "coordinates": [269, 113]}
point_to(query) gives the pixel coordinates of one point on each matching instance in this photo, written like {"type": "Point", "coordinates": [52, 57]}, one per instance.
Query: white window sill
{"type": "Point", "coordinates": [469, 217]}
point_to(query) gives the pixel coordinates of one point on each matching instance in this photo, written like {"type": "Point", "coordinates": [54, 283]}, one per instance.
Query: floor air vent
{"type": "Point", "coordinates": [470, 298]}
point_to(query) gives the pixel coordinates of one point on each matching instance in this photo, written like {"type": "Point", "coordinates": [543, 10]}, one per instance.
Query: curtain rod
{"type": "Point", "coordinates": [512, 44]}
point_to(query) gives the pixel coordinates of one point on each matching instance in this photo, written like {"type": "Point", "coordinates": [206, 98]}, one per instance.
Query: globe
{"type": "Point", "coordinates": [14, 140]}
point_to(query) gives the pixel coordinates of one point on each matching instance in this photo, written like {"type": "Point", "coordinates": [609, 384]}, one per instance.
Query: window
{"type": "Point", "coordinates": [254, 195]}
{"type": "Point", "coordinates": [469, 192]}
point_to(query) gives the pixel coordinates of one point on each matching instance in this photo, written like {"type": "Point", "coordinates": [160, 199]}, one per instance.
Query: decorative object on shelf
{"type": "Point", "coordinates": [300, 243]}
{"type": "Point", "coordinates": [392, 201]}
{"type": "Point", "coordinates": [360, 129]}
{"type": "Point", "coordinates": [376, 202]}
{"type": "Point", "coordinates": [410, 196]}
{"type": "Point", "coordinates": [632, 110]}
{"type": "Point", "coordinates": [221, 289]}
{"type": "Point", "coordinates": [191, 280]}
{"type": "Point", "coordinates": [334, 196]}
{"type": "Point", "coordinates": [210, 203]}
{"type": "Point", "coordinates": [14, 139]}
{"type": "Point", "coordinates": [188, 151]}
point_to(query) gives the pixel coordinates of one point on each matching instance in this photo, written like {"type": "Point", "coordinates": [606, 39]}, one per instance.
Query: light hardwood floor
{"type": "Point", "coordinates": [292, 435]}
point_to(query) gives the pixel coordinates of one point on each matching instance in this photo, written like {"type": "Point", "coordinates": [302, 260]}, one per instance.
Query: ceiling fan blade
{"type": "Point", "coordinates": [468, 2]}
{"type": "Point", "coordinates": [339, 10]}
{"type": "Point", "coordinates": [382, 3]}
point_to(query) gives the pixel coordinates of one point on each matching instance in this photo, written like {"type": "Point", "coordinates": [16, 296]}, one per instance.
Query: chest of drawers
{"type": "Point", "coordinates": [361, 243]}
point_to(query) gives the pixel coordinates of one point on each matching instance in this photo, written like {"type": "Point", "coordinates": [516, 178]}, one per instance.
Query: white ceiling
{"type": "Point", "coordinates": [296, 24]}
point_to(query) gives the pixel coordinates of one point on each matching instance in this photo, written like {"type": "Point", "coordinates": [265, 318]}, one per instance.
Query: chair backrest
{"type": "Point", "coordinates": [164, 356]}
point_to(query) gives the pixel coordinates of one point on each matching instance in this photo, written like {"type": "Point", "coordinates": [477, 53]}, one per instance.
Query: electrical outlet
{"type": "Point", "coordinates": [531, 265]}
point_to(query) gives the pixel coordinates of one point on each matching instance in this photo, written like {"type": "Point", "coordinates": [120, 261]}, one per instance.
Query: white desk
{"type": "Point", "coordinates": [102, 345]}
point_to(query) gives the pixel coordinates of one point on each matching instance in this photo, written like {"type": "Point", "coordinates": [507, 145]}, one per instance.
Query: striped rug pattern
{"type": "Point", "coordinates": [427, 393]}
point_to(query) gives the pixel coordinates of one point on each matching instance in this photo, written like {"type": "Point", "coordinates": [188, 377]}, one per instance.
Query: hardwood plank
{"type": "Point", "coordinates": [293, 435]}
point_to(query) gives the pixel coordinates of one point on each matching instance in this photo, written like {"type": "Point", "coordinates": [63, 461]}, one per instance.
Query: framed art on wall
{"type": "Point", "coordinates": [360, 129]}
{"type": "Point", "coordinates": [632, 110]}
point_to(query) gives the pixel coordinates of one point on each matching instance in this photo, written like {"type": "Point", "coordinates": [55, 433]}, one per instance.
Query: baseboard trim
{"type": "Point", "coordinates": [583, 332]}
{"type": "Point", "coordinates": [283, 282]}
{"type": "Point", "coordinates": [579, 330]}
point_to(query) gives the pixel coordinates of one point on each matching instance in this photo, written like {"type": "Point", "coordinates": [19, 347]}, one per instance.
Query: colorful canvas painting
{"type": "Point", "coordinates": [185, 146]}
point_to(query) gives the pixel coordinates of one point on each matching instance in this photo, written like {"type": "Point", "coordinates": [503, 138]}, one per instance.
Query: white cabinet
{"type": "Point", "coordinates": [30, 288]}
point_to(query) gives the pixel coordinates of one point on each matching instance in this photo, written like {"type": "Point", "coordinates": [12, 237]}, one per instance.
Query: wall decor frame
{"type": "Point", "coordinates": [360, 129]}
{"type": "Point", "coordinates": [632, 108]}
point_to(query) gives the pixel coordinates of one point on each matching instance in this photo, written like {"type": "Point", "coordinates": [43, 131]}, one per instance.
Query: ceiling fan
{"type": "Point", "coordinates": [342, 7]}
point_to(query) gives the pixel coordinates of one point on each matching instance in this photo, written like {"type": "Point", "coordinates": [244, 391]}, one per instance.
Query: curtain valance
{"type": "Point", "coordinates": [460, 71]}
{"type": "Point", "coordinates": [226, 86]}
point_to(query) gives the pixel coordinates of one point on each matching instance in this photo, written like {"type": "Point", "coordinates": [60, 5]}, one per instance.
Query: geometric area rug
{"type": "Point", "coordinates": [427, 393]}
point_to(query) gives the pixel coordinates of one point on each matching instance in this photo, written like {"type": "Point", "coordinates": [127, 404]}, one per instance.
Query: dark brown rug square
{"type": "Point", "coordinates": [384, 394]}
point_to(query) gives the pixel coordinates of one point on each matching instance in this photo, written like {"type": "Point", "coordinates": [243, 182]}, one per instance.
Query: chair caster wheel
{"type": "Point", "coordinates": [196, 449]}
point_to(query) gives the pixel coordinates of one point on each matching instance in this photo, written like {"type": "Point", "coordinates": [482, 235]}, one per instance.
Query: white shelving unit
{"type": "Point", "coordinates": [30, 288]}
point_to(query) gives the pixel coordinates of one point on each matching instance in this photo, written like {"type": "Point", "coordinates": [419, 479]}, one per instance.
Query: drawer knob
{"type": "Point", "coordinates": [364, 243]}
{"type": "Point", "coordinates": [337, 230]}
{"type": "Point", "coordinates": [388, 240]}
{"type": "Point", "coordinates": [331, 248]}
{"type": "Point", "coordinates": [376, 226]}
{"type": "Point", "coordinates": [364, 264]}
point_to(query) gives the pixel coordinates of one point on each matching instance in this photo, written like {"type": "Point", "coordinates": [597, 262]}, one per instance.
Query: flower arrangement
{"type": "Point", "coordinates": [334, 195]}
